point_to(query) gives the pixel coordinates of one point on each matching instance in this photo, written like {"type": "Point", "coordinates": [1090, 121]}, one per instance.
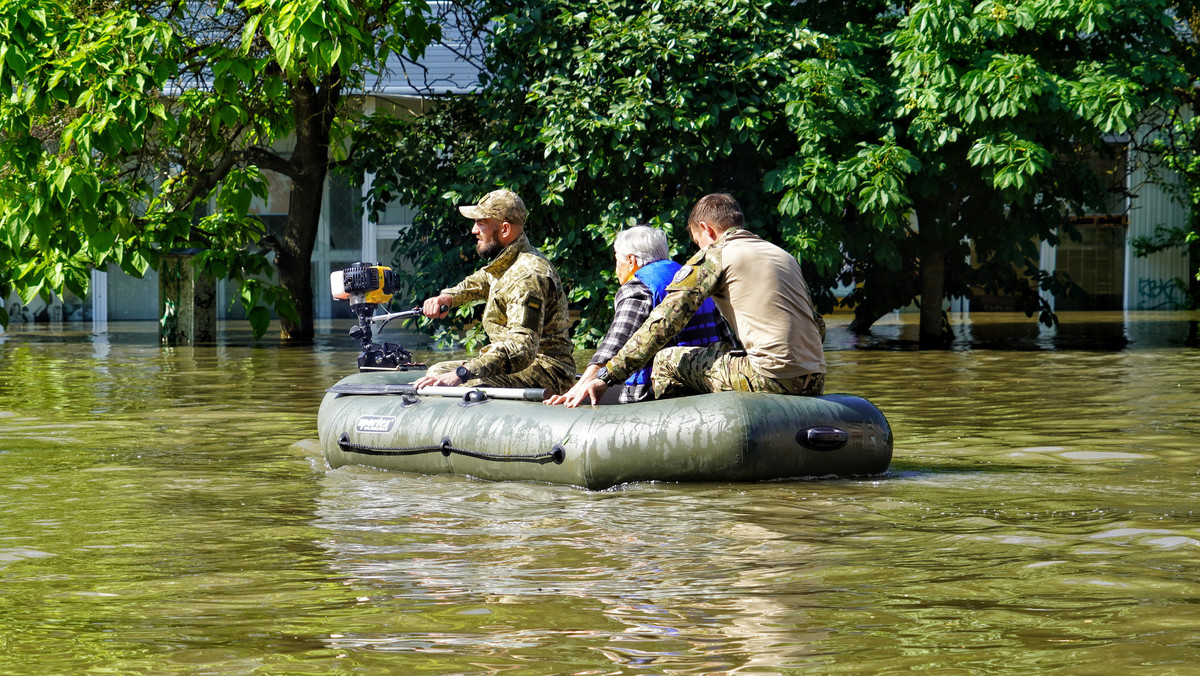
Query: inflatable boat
{"type": "Point", "coordinates": [378, 419]}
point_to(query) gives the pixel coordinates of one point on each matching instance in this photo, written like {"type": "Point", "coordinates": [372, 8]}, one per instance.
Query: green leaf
{"type": "Point", "coordinates": [85, 190]}
{"type": "Point", "coordinates": [260, 320]}
{"type": "Point", "coordinates": [60, 178]}
{"type": "Point", "coordinates": [15, 61]}
{"type": "Point", "coordinates": [249, 32]}
{"type": "Point", "coordinates": [287, 309]}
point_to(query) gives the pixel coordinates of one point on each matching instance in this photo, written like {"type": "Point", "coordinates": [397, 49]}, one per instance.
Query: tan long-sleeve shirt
{"type": "Point", "coordinates": [761, 293]}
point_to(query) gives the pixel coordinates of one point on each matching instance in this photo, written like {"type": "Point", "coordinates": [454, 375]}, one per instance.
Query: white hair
{"type": "Point", "coordinates": [647, 244]}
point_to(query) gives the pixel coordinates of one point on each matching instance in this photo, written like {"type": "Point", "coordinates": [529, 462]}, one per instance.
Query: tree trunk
{"type": "Point", "coordinates": [935, 331]}
{"type": "Point", "coordinates": [294, 258]}
{"type": "Point", "coordinates": [314, 109]}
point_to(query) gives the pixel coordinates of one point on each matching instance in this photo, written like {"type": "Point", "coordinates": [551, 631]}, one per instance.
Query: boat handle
{"type": "Point", "coordinates": [823, 438]}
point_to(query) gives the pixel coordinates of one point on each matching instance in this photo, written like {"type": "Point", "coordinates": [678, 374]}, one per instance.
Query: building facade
{"type": "Point", "coordinates": [1104, 261]}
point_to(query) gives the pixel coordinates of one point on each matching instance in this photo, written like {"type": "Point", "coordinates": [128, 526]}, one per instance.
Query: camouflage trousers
{"type": "Point", "coordinates": [542, 373]}
{"type": "Point", "coordinates": [680, 371]}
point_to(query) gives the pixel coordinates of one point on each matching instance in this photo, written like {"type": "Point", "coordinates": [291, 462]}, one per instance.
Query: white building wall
{"type": "Point", "coordinates": [1152, 282]}
{"type": "Point", "coordinates": [1049, 261]}
{"type": "Point", "coordinates": [128, 298]}
{"type": "Point", "coordinates": [98, 291]}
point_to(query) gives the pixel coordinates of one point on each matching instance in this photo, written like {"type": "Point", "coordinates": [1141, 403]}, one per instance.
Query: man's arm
{"type": "Point", "coordinates": [684, 296]}
{"type": "Point", "coordinates": [660, 327]}
{"type": "Point", "coordinates": [516, 351]}
{"type": "Point", "coordinates": [474, 287]}
{"type": "Point", "coordinates": [631, 307]}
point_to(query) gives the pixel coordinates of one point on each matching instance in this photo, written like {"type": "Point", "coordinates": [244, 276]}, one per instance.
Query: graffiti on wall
{"type": "Point", "coordinates": [36, 310]}
{"type": "Point", "coordinates": [1160, 294]}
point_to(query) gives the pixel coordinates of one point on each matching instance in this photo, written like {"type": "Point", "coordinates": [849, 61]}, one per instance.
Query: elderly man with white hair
{"type": "Point", "coordinates": [644, 269]}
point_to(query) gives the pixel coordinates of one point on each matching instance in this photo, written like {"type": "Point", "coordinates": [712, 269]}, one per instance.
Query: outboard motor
{"type": "Point", "coordinates": [365, 286]}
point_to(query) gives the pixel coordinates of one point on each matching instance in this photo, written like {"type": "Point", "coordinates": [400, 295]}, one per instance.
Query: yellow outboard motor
{"type": "Point", "coordinates": [365, 286]}
{"type": "Point", "coordinates": [363, 283]}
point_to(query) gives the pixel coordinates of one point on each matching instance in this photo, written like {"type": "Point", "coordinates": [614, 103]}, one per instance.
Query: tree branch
{"type": "Point", "coordinates": [265, 158]}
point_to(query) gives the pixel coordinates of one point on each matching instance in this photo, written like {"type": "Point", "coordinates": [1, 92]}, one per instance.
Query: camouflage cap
{"type": "Point", "coordinates": [500, 204]}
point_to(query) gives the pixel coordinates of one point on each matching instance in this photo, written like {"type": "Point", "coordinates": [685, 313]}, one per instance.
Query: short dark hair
{"type": "Point", "coordinates": [720, 210]}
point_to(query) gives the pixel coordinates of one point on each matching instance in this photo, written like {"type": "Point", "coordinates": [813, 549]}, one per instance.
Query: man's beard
{"type": "Point", "coordinates": [489, 248]}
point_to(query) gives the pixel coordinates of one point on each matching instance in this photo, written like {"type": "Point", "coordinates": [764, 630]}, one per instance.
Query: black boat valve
{"type": "Point", "coordinates": [474, 398]}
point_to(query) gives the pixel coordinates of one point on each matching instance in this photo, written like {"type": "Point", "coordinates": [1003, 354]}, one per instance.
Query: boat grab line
{"type": "Point", "coordinates": [555, 455]}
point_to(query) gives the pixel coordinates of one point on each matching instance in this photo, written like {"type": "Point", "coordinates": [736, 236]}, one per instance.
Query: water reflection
{"type": "Point", "coordinates": [625, 572]}
{"type": "Point", "coordinates": [1087, 331]}
{"type": "Point", "coordinates": [166, 511]}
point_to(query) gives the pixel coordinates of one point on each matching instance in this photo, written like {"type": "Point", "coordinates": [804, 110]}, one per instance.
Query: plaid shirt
{"type": "Point", "coordinates": [632, 305]}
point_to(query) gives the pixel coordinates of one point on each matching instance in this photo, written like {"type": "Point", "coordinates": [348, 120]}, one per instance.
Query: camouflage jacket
{"type": "Point", "coordinates": [526, 314]}
{"type": "Point", "coordinates": [705, 275]}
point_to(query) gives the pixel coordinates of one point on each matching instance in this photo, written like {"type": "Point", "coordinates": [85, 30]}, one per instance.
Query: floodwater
{"type": "Point", "coordinates": [167, 511]}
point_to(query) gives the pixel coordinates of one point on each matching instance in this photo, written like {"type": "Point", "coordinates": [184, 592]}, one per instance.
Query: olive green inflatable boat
{"type": "Point", "coordinates": [378, 419]}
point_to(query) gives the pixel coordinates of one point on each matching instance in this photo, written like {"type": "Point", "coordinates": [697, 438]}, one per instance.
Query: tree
{"type": "Point", "coordinates": [985, 120]}
{"type": "Point", "coordinates": [911, 153]}
{"type": "Point", "coordinates": [599, 115]}
{"type": "Point", "coordinates": [126, 119]}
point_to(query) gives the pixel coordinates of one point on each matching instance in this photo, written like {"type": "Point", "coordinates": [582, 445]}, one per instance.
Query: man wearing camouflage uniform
{"type": "Point", "coordinates": [526, 321]}
{"type": "Point", "coordinates": [761, 293]}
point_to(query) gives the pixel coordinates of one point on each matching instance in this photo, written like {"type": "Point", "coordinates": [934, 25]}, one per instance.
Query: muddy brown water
{"type": "Point", "coordinates": [168, 511]}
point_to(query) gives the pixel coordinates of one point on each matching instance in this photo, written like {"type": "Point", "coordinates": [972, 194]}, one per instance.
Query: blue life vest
{"type": "Point", "coordinates": [702, 330]}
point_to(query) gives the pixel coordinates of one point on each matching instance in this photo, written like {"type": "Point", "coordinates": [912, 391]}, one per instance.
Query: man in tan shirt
{"type": "Point", "coordinates": [761, 293]}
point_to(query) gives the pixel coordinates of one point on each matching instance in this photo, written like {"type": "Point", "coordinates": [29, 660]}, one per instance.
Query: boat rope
{"type": "Point", "coordinates": [555, 455]}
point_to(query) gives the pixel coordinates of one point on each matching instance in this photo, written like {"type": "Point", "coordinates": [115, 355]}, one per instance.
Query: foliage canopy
{"type": "Point", "coordinates": [904, 152]}
{"type": "Point", "coordinates": [133, 128]}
